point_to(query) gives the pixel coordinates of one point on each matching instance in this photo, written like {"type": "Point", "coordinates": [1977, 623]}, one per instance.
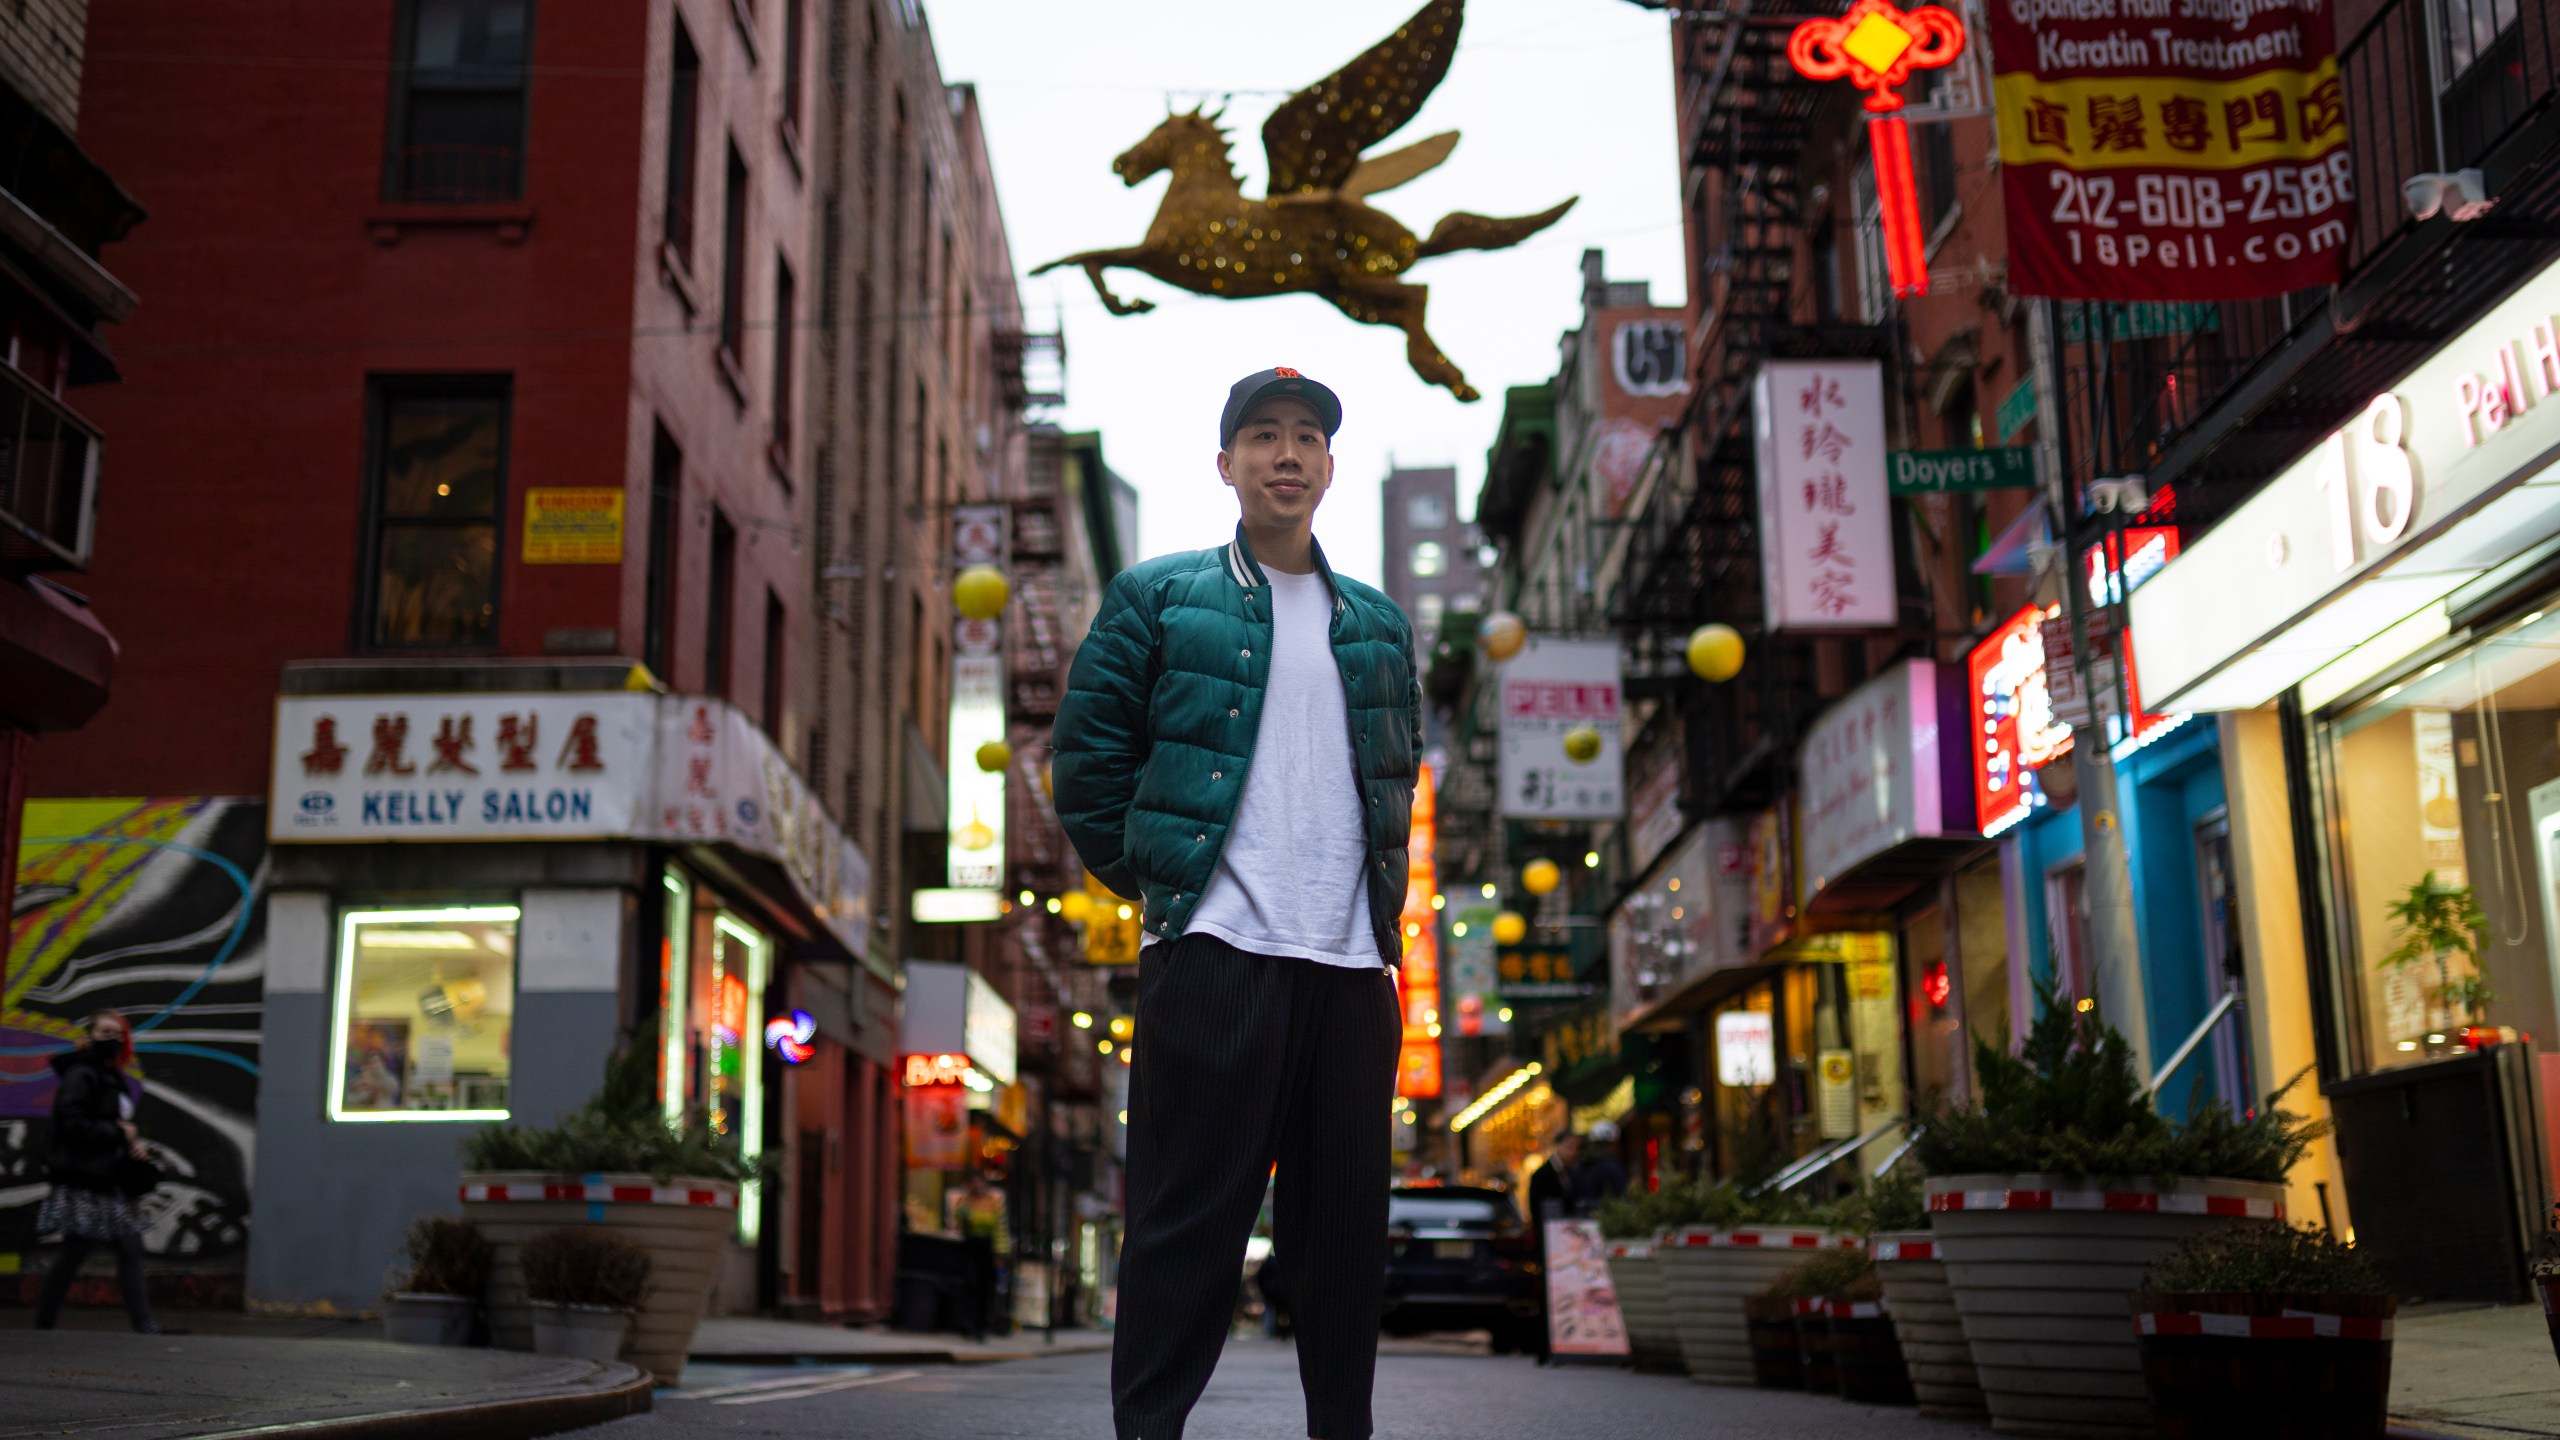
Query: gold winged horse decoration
{"type": "Point", "coordinates": [1317, 232]}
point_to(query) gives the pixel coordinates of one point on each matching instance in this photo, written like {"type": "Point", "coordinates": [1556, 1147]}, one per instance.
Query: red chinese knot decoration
{"type": "Point", "coordinates": [1875, 45]}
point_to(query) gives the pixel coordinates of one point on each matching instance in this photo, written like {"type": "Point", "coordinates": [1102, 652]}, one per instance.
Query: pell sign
{"type": "Point", "coordinates": [573, 525]}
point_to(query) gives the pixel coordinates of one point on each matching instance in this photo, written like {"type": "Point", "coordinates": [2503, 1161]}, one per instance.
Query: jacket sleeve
{"type": "Point", "coordinates": [80, 1108]}
{"type": "Point", "coordinates": [1103, 735]}
{"type": "Point", "coordinates": [1413, 703]}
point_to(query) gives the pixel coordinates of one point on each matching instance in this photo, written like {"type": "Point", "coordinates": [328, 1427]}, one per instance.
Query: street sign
{"type": "Point", "coordinates": [1932, 472]}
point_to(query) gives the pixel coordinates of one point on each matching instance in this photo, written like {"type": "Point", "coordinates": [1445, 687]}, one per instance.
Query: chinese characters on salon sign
{"type": "Point", "coordinates": [2171, 149]}
{"type": "Point", "coordinates": [1826, 538]}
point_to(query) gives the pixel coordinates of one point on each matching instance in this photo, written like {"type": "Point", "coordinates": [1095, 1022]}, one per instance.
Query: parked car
{"type": "Point", "coordinates": [1458, 1258]}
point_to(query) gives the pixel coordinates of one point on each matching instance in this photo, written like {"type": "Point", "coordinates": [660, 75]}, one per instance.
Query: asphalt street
{"type": "Point", "coordinates": [1425, 1391]}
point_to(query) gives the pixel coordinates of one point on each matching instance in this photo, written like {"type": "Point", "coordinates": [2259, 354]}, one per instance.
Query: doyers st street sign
{"type": "Point", "coordinates": [1931, 472]}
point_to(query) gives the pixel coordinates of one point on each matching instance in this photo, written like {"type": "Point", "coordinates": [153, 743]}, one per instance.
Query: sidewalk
{"type": "Point", "coordinates": [2474, 1373]}
{"type": "Point", "coordinates": [746, 1340]}
{"type": "Point", "coordinates": [227, 1387]}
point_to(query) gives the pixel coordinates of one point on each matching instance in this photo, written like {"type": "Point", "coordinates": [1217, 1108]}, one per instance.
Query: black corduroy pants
{"type": "Point", "coordinates": [1246, 1062]}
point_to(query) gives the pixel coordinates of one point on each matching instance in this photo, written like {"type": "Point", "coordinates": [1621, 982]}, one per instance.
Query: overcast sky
{"type": "Point", "coordinates": [1553, 97]}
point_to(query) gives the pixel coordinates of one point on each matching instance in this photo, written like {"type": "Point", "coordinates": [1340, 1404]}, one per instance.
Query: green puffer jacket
{"type": "Point", "coordinates": [1162, 708]}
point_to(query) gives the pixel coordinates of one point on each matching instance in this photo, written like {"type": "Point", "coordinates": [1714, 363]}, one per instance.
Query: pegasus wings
{"type": "Point", "coordinates": [1314, 139]}
{"type": "Point", "coordinates": [1386, 172]}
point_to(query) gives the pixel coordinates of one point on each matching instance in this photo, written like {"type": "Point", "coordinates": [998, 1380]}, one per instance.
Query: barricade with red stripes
{"type": "Point", "coordinates": [2291, 1325]}
{"type": "Point", "coordinates": [1904, 1250]}
{"type": "Point", "coordinates": [599, 1192]}
{"type": "Point", "coordinates": [2136, 1202]}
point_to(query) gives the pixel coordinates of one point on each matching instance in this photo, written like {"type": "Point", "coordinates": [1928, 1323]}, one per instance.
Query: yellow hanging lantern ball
{"type": "Point", "coordinates": [1541, 876]}
{"type": "Point", "coordinates": [1582, 744]}
{"type": "Point", "coordinates": [994, 756]}
{"type": "Point", "coordinates": [1048, 787]}
{"type": "Point", "coordinates": [1510, 928]}
{"type": "Point", "coordinates": [1075, 905]}
{"type": "Point", "coordinates": [1715, 652]}
{"type": "Point", "coordinates": [980, 592]}
{"type": "Point", "coordinates": [1502, 634]}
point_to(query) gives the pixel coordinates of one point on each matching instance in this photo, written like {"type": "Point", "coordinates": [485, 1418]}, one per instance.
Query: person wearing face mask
{"type": "Point", "coordinates": [93, 1140]}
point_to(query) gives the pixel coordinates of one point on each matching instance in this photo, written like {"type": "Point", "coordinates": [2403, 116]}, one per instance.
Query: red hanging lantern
{"type": "Point", "coordinates": [1875, 45]}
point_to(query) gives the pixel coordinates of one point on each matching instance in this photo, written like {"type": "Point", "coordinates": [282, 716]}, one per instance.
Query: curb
{"type": "Point", "coordinates": [944, 1356]}
{"type": "Point", "coordinates": [523, 1418]}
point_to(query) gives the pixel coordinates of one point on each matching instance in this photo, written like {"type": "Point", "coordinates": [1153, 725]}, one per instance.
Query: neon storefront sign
{"type": "Point", "coordinates": [2015, 732]}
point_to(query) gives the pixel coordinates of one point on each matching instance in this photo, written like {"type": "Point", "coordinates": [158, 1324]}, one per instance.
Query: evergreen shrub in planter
{"type": "Point", "coordinates": [1728, 1247]}
{"type": "Point", "coordinates": [612, 1163]}
{"type": "Point", "coordinates": [2049, 1199]}
{"type": "Point", "coordinates": [2259, 1331]}
{"type": "Point", "coordinates": [584, 1284]}
{"type": "Point", "coordinates": [1843, 1333]}
{"type": "Point", "coordinates": [433, 1298]}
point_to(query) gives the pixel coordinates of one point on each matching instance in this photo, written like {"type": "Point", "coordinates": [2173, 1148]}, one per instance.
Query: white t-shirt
{"type": "Point", "coordinates": [1293, 879]}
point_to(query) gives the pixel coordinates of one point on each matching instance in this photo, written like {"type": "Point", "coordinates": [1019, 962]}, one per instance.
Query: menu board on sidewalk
{"type": "Point", "coordinates": [1582, 1301]}
{"type": "Point", "coordinates": [2171, 149]}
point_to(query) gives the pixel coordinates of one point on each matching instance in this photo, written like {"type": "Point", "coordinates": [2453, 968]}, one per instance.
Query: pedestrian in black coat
{"type": "Point", "coordinates": [1599, 1177]}
{"type": "Point", "coordinates": [93, 1134]}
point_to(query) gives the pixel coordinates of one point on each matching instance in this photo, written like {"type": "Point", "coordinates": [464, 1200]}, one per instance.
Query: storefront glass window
{"type": "Point", "coordinates": [712, 977]}
{"type": "Point", "coordinates": [2453, 773]}
{"type": "Point", "coordinates": [422, 1021]}
{"type": "Point", "coordinates": [1982, 959]}
{"type": "Point", "coordinates": [1937, 1040]}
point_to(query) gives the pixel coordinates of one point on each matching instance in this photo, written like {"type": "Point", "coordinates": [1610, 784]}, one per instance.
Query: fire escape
{"type": "Point", "coordinates": [1747, 124]}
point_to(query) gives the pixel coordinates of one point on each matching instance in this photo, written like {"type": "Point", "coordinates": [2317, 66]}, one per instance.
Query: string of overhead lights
{"type": "Point", "coordinates": [1485, 1103]}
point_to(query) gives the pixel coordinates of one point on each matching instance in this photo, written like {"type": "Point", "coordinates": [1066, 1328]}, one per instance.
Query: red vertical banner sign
{"type": "Point", "coordinates": [1418, 1060]}
{"type": "Point", "coordinates": [2171, 149]}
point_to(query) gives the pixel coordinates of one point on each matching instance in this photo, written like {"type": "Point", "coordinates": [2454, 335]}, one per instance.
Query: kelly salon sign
{"type": "Point", "coordinates": [2170, 149]}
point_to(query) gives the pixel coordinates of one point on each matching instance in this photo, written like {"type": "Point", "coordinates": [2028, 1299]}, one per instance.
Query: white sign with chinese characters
{"type": "Point", "coordinates": [1550, 689]}
{"type": "Point", "coordinates": [1826, 533]}
{"type": "Point", "coordinates": [1873, 776]}
{"type": "Point", "coordinates": [720, 779]}
{"type": "Point", "coordinates": [974, 848]}
{"type": "Point", "coordinates": [461, 767]}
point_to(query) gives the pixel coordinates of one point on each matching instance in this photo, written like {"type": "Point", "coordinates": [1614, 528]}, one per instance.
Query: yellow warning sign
{"type": "Point", "coordinates": [573, 525]}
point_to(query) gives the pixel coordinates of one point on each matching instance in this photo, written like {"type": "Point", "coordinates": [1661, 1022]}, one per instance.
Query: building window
{"type": "Point", "coordinates": [666, 512]}
{"type": "Point", "coordinates": [425, 1000]}
{"type": "Point", "coordinates": [1934, 146]}
{"type": "Point", "coordinates": [684, 110]}
{"type": "Point", "coordinates": [1426, 512]}
{"type": "Point", "coordinates": [2481, 46]}
{"type": "Point", "coordinates": [733, 257]}
{"type": "Point", "coordinates": [1875, 281]}
{"type": "Point", "coordinates": [786, 307]}
{"type": "Point", "coordinates": [1430, 558]}
{"type": "Point", "coordinates": [438, 483]}
{"type": "Point", "coordinates": [773, 658]}
{"type": "Point", "coordinates": [715, 639]}
{"type": "Point", "coordinates": [791, 52]}
{"type": "Point", "coordinates": [1427, 613]}
{"type": "Point", "coordinates": [458, 111]}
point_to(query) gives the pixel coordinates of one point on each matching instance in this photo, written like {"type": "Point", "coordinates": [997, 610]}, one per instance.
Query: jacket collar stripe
{"type": "Point", "coordinates": [1235, 568]}
{"type": "Point", "coordinates": [1240, 565]}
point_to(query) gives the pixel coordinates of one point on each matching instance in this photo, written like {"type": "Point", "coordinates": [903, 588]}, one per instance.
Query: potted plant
{"type": "Point", "coordinates": [2257, 1328]}
{"type": "Point", "coordinates": [1895, 1217]}
{"type": "Point", "coordinates": [616, 1164]}
{"type": "Point", "coordinates": [1630, 1223]}
{"type": "Point", "coordinates": [584, 1284]}
{"type": "Point", "coordinates": [1842, 1331]}
{"type": "Point", "coordinates": [2048, 1199]}
{"type": "Point", "coordinates": [431, 1300]}
{"type": "Point", "coordinates": [1725, 1247]}
{"type": "Point", "coordinates": [2438, 922]}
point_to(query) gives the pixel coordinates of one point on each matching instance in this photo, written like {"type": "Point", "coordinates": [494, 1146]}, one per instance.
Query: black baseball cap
{"type": "Point", "coordinates": [1278, 380]}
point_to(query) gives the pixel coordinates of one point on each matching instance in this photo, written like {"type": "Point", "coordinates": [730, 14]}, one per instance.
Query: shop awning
{"type": "Point", "coordinates": [1694, 995]}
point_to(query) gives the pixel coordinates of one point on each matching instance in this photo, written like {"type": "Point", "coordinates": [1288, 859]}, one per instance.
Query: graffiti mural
{"type": "Point", "coordinates": [148, 907]}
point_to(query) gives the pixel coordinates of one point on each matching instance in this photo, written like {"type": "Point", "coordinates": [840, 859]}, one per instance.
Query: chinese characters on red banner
{"type": "Point", "coordinates": [2152, 150]}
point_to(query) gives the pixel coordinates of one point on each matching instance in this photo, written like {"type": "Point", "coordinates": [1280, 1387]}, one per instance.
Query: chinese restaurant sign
{"type": "Point", "coordinates": [1875, 774]}
{"type": "Point", "coordinates": [2171, 149]}
{"type": "Point", "coordinates": [2015, 732]}
{"type": "Point", "coordinates": [1550, 688]}
{"type": "Point", "coordinates": [1826, 536]}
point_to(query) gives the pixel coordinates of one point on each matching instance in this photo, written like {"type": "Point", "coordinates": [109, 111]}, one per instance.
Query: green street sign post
{"type": "Point", "coordinates": [1934, 472]}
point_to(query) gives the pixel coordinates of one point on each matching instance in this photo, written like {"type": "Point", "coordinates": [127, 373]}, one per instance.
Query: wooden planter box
{"type": "Point", "coordinates": [1644, 1303]}
{"type": "Point", "coordinates": [1934, 1351]}
{"type": "Point", "coordinates": [2266, 1367]}
{"type": "Point", "coordinates": [1710, 1273]}
{"type": "Point", "coordinates": [1777, 1356]}
{"type": "Point", "coordinates": [2041, 1267]}
{"type": "Point", "coordinates": [1854, 1348]}
{"type": "Point", "coordinates": [682, 1224]}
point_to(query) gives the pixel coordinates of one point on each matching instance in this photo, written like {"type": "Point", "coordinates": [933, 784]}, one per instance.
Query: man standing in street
{"type": "Point", "coordinates": [1237, 751]}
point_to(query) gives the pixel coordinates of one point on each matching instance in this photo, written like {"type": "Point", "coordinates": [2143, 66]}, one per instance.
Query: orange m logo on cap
{"type": "Point", "coordinates": [1285, 373]}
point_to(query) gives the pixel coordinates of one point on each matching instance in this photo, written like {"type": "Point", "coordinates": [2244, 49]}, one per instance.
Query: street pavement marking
{"type": "Point", "coordinates": [792, 1381]}
{"type": "Point", "coordinates": [824, 1387]}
